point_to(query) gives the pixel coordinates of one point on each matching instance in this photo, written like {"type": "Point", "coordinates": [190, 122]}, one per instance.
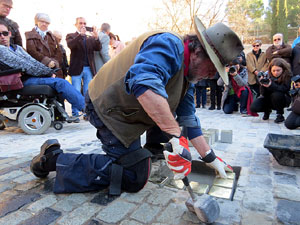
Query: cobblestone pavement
{"type": "Point", "coordinates": [267, 193]}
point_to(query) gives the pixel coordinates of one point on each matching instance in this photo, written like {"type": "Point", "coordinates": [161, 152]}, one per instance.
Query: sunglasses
{"type": "Point", "coordinates": [4, 33]}
{"type": "Point", "coordinates": [278, 39]}
{"type": "Point", "coordinates": [255, 45]}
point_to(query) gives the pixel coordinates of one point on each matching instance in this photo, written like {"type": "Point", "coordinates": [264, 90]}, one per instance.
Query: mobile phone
{"type": "Point", "coordinates": [90, 29]}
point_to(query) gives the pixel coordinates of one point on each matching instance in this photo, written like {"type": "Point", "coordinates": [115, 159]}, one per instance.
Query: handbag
{"type": "Point", "coordinates": [11, 82]}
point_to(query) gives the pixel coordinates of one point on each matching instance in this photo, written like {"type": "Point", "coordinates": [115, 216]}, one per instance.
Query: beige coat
{"type": "Point", "coordinates": [256, 65]}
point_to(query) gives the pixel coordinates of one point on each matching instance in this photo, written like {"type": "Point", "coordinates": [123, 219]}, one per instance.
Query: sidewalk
{"type": "Point", "coordinates": [267, 193]}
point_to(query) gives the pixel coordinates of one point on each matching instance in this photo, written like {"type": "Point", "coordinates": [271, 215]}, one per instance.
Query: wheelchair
{"type": "Point", "coordinates": [33, 108]}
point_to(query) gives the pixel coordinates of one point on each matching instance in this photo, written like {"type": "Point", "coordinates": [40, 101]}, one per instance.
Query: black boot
{"type": "Point", "coordinates": [266, 116]}
{"type": "Point", "coordinates": [279, 118]}
{"type": "Point", "coordinates": [45, 162]}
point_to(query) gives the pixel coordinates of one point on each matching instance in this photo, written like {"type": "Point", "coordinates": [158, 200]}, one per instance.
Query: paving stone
{"type": "Point", "coordinates": [145, 213]}
{"type": "Point", "coordinates": [5, 186]}
{"type": "Point", "coordinates": [284, 178]}
{"type": "Point", "coordinates": [14, 218]}
{"type": "Point", "coordinates": [160, 197]}
{"type": "Point", "coordinates": [27, 186]}
{"type": "Point", "coordinates": [226, 136]}
{"type": "Point", "coordinates": [255, 218]}
{"type": "Point", "coordinates": [42, 203]}
{"type": "Point", "coordinates": [260, 168]}
{"type": "Point", "coordinates": [16, 202]}
{"type": "Point", "coordinates": [93, 222]}
{"type": "Point", "coordinates": [6, 160]}
{"type": "Point", "coordinates": [115, 212]}
{"type": "Point", "coordinates": [288, 212]}
{"type": "Point", "coordinates": [261, 181]}
{"type": "Point", "coordinates": [288, 192]}
{"type": "Point", "coordinates": [172, 214]}
{"type": "Point", "coordinates": [4, 165]}
{"type": "Point", "coordinates": [130, 222]}
{"type": "Point", "coordinates": [103, 199]}
{"type": "Point", "coordinates": [21, 160]}
{"type": "Point", "coordinates": [12, 175]}
{"type": "Point", "coordinates": [24, 179]}
{"type": "Point", "coordinates": [45, 217]}
{"type": "Point", "coordinates": [190, 217]}
{"type": "Point", "coordinates": [136, 197]}
{"type": "Point", "coordinates": [247, 155]}
{"type": "Point", "coordinates": [70, 202]}
{"type": "Point", "coordinates": [258, 199]}
{"type": "Point", "coordinates": [80, 215]}
{"type": "Point", "coordinates": [230, 211]}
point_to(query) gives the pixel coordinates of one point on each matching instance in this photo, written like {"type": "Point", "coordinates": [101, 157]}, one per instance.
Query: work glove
{"type": "Point", "coordinates": [180, 160]}
{"type": "Point", "coordinates": [217, 163]}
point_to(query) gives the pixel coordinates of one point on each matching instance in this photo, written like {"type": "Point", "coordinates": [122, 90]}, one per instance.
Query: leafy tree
{"type": "Point", "coordinates": [243, 15]}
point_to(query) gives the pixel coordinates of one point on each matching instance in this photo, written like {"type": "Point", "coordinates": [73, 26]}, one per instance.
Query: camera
{"type": "Point", "coordinates": [263, 77]}
{"type": "Point", "coordinates": [296, 78]}
{"type": "Point", "coordinates": [90, 29]}
{"type": "Point", "coordinates": [232, 69]}
{"type": "Point", "coordinates": [294, 92]}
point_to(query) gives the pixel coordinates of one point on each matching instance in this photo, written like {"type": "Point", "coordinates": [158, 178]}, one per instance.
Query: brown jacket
{"type": "Point", "coordinates": [43, 50]}
{"type": "Point", "coordinates": [120, 112]}
{"type": "Point", "coordinates": [284, 52]}
{"type": "Point", "coordinates": [256, 65]}
{"type": "Point", "coordinates": [75, 42]}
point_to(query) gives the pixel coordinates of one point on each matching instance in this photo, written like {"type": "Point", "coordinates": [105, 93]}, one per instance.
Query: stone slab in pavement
{"type": "Point", "coordinates": [267, 193]}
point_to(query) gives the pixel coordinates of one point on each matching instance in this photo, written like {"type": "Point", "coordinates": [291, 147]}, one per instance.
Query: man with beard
{"type": "Point", "coordinates": [147, 87]}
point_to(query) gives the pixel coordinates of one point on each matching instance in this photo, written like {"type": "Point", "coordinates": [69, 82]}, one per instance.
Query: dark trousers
{"type": "Point", "coordinates": [274, 100]}
{"type": "Point", "coordinates": [215, 91]}
{"type": "Point", "coordinates": [200, 95]}
{"type": "Point", "coordinates": [90, 172]}
{"type": "Point", "coordinates": [255, 88]}
{"type": "Point", "coordinates": [292, 121]}
{"type": "Point", "coordinates": [231, 102]}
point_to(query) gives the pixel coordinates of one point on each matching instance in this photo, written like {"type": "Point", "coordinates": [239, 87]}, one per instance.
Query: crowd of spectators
{"type": "Point", "coordinates": [258, 81]}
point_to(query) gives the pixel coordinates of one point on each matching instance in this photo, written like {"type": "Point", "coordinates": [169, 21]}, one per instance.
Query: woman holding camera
{"type": "Point", "coordinates": [274, 90]}
{"type": "Point", "coordinates": [293, 120]}
{"type": "Point", "coordinates": [237, 90]}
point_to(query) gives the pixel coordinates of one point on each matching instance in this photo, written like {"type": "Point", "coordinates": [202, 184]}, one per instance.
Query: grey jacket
{"type": "Point", "coordinates": [101, 57]}
{"type": "Point", "coordinates": [241, 79]}
{"type": "Point", "coordinates": [20, 59]}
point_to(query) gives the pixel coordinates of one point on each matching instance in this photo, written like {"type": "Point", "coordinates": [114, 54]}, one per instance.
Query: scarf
{"type": "Point", "coordinates": [186, 59]}
{"type": "Point", "coordinates": [40, 32]}
{"type": "Point", "coordinates": [238, 90]}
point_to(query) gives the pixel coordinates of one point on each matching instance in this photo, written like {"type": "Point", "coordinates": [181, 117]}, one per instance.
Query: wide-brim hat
{"type": "Point", "coordinates": [221, 44]}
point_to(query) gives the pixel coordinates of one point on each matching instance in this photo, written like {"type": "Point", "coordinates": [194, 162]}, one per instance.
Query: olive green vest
{"type": "Point", "coordinates": [119, 111]}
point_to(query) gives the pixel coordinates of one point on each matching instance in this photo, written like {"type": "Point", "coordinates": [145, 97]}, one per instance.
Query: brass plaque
{"type": "Point", "coordinates": [196, 187]}
{"type": "Point", "coordinates": [227, 183]}
{"type": "Point", "coordinates": [199, 188]}
{"type": "Point", "coordinates": [230, 175]}
{"type": "Point", "coordinates": [220, 192]}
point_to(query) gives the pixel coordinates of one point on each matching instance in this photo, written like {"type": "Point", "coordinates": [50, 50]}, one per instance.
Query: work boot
{"type": "Point", "coordinates": [45, 162]}
{"type": "Point", "coordinates": [279, 118]}
{"type": "Point", "coordinates": [2, 125]}
{"type": "Point", "coordinates": [212, 107]}
{"type": "Point", "coordinates": [156, 149]}
{"type": "Point", "coordinates": [266, 116]}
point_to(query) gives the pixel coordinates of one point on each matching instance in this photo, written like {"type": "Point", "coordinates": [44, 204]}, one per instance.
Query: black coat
{"type": "Point", "coordinates": [296, 60]}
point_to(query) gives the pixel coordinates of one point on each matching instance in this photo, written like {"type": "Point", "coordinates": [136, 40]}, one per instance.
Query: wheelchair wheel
{"type": "Point", "coordinates": [57, 125]}
{"type": "Point", "coordinates": [34, 119]}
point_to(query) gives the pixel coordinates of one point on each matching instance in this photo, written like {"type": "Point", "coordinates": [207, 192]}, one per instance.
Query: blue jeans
{"type": "Point", "coordinates": [90, 172]}
{"type": "Point", "coordinates": [61, 86]}
{"type": "Point", "coordinates": [231, 102]}
{"type": "Point", "coordinates": [86, 76]}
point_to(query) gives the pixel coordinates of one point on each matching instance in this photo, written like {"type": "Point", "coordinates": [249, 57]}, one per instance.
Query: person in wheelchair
{"type": "Point", "coordinates": [35, 73]}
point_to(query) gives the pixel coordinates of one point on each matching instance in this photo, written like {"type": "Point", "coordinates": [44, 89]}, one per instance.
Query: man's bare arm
{"type": "Point", "coordinates": [159, 111]}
